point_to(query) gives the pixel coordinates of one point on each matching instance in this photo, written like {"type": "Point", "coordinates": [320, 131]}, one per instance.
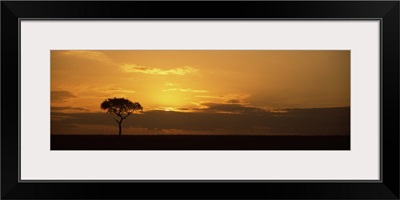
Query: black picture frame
{"type": "Point", "coordinates": [386, 11]}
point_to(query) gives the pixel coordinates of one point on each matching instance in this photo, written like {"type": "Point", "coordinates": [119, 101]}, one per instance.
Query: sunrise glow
{"type": "Point", "coordinates": [223, 82]}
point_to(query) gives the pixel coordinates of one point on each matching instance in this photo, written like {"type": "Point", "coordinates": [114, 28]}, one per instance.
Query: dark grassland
{"type": "Point", "coordinates": [198, 142]}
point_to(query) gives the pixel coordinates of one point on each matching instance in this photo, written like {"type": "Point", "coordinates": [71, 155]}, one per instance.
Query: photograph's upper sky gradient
{"type": "Point", "coordinates": [194, 81]}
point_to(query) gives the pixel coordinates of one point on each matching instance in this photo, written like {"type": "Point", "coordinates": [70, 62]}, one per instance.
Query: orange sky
{"type": "Point", "coordinates": [185, 79]}
{"type": "Point", "coordinates": [192, 80]}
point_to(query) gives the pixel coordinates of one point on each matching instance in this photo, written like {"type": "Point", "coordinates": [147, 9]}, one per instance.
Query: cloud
{"type": "Point", "coordinates": [61, 95]}
{"type": "Point", "coordinates": [229, 108]}
{"type": "Point", "coordinates": [233, 101]}
{"type": "Point", "coordinates": [113, 89]}
{"type": "Point", "coordinates": [93, 55]}
{"type": "Point", "coordinates": [228, 98]}
{"type": "Point", "coordinates": [171, 84]}
{"type": "Point", "coordinates": [88, 91]}
{"type": "Point", "coordinates": [314, 121]}
{"type": "Point", "coordinates": [156, 71]}
{"type": "Point", "coordinates": [61, 108]}
{"type": "Point", "coordinates": [184, 90]}
{"type": "Point", "coordinates": [210, 97]}
{"type": "Point", "coordinates": [184, 109]}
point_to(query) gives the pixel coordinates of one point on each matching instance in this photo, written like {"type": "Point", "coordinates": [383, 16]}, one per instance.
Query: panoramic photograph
{"type": "Point", "coordinates": [200, 100]}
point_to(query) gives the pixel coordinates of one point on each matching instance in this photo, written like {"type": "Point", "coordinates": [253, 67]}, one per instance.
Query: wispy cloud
{"type": "Point", "coordinates": [132, 68]}
{"type": "Point", "coordinates": [83, 90]}
{"type": "Point", "coordinates": [210, 97]}
{"type": "Point", "coordinates": [233, 108]}
{"type": "Point", "coordinates": [171, 84]}
{"type": "Point", "coordinates": [94, 55]}
{"type": "Point", "coordinates": [61, 95]}
{"type": "Point", "coordinates": [61, 108]}
{"type": "Point", "coordinates": [227, 98]}
{"type": "Point", "coordinates": [184, 90]}
{"type": "Point", "coordinates": [233, 101]}
{"type": "Point", "coordinates": [113, 89]}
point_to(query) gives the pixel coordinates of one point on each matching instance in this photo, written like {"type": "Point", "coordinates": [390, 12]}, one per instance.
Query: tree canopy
{"type": "Point", "coordinates": [121, 107]}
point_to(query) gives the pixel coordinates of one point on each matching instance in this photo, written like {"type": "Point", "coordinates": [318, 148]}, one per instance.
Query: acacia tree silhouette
{"type": "Point", "coordinates": [121, 107]}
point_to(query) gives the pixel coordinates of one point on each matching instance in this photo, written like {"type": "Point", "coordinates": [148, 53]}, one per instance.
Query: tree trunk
{"type": "Point", "coordinates": [120, 128]}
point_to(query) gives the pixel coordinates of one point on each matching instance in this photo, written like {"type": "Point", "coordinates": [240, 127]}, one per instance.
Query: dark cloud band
{"type": "Point", "coordinates": [313, 121]}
